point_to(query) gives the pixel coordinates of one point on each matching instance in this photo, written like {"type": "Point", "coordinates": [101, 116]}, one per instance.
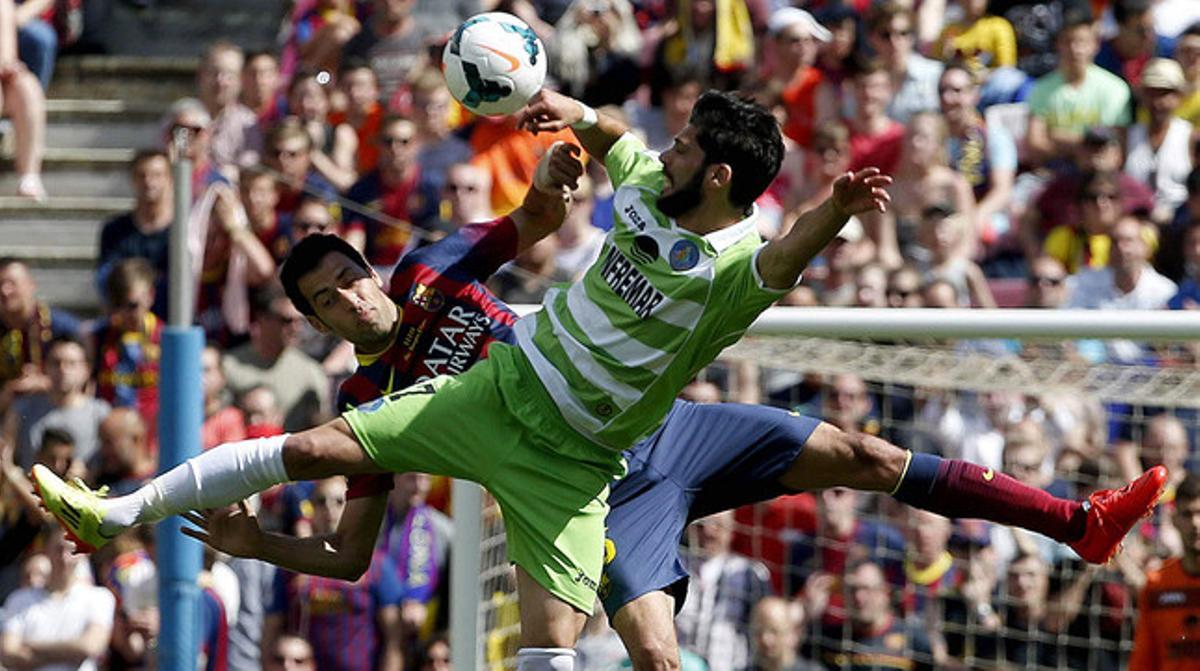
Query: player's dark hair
{"type": "Point", "coordinates": [1188, 490]}
{"type": "Point", "coordinates": [745, 136]}
{"type": "Point", "coordinates": [305, 256]}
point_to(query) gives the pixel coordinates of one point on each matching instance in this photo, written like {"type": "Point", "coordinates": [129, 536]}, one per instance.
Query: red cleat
{"type": "Point", "coordinates": [1113, 512]}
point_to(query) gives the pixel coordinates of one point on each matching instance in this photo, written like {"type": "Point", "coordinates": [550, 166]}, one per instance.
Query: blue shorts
{"type": "Point", "coordinates": [702, 460]}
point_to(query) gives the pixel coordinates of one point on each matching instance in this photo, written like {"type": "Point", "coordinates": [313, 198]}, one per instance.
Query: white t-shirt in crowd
{"type": "Point", "coordinates": [36, 615]}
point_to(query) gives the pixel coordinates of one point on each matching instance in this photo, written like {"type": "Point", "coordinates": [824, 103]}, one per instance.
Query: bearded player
{"type": "Point", "coordinates": [682, 275]}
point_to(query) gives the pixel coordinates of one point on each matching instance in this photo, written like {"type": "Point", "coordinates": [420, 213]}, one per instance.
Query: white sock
{"type": "Point", "coordinates": [545, 659]}
{"type": "Point", "coordinates": [223, 475]}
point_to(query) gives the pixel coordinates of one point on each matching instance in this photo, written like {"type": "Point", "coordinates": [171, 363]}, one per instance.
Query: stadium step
{"type": "Point", "coordinates": [184, 27]}
{"type": "Point", "coordinates": [144, 79]}
{"type": "Point", "coordinates": [94, 123]}
{"type": "Point", "coordinates": [78, 172]}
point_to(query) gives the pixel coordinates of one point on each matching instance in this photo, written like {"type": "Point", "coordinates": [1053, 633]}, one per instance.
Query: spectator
{"type": "Point", "coordinates": [327, 610]}
{"type": "Point", "coordinates": [1164, 441]}
{"type": "Point", "coordinates": [716, 40]}
{"type": "Point", "coordinates": [1028, 632]}
{"type": "Point", "coordinates": [1161, 635]}
{"type": "Point", "coordinates": [1057, 204]}
{"type": "Point", "coordinates": [807, 98]}
{"type": "Point", "coordinates": [777, 629]}
{"type": "Point", "coordinates": [417, 538]}
{"type": "Point", "coordinates": [37, 40]}
{"type": "Point", "coordinates": [1036, 23]}
{"type": "Point", "coordinates": [21, 96]}
{"type": "Point", "coordinates": [1129, 282]}
{"type": "Point", "coordinates": [1079, 94]}
{"type": "Point", "coordinates": [871, 286]}
{"type": "Point", "coordinates": [319, 32]}
{"type": "Point", "coordinates": [834, 58]}
{"type": "Point", "coordinates": [263, 416]}
{"type": "Point", "coordinates": [435, 655]}
{"type": "Point", "coordinates": [1158, 150]}
{"type": "Point", "coordinates": [431, 111]}
{"type": "Point", "coordinates": [982, 40]}
{"type": "Point", "coordinates": [714, 621]}
{"type": "Point", "coordinates": [235, 139]}
{"type": "Point", "coordinates": [67, 622]}
{"type": "Point", "coordinates": [1047, 283]}
{"type": "Point", "coordinates": [986, 156]}
{"type": "Point", "coordinates": [929, 569]}
{"type": "Point", "coordinates": [1087, 243]}
{"type": "Point", "coordinates": [579, 241]}
{"type": "Point", "coordinates": [334, 146]}
{"type": "Point", "coordinates": [848, 405]}
{"type": "Point", "coordinates": [904, 288]}
{"type": "Point", "coordinates": [924, 180]}
{"type": "Point", "coordinates": [701, 391]}
{"type": "Point", "coordinates": [465, 197]}
{"type": "Point", "coordinates": [397, 190]}
{"type": "Point", "coordinates": [1027, 458]}
{"type": "Point", "coordinates": [66, 404]}
{"type": "Point", "coordinates": [530, 275]}
{"type": "Point", "coordinates": [391, 44]}
{"type": "Point", "coordinates": [1187, 52]}
{"type": "Point", "coordinates": [314, 216]}
{"type": "Point", "coordinates": [127, 342]}
{"type": "Point", "coordinates": [1128, 53]}
{"type": "Point", "coordinates": [914, 78]}
{"type": "Point", "coordinates": [125, 460]}
{"type": "Point", "coordinates": [271, 359]}
{"type": "Point", "coordinates": [943, 235]}
{"type": "Point", "coordinates": [23, 519]}
{"type": "Point", "coordinates": [1188, 297]}
{"type": "Point", "coordinates": [875, 138]}
{"type": "Point", "coordinates": [290, 653]}
{"type": "Point", "coordinates": [973, 428]}
{"type": "Point", "coordinates": [672, 97]}
{"type": "Point", "coordinates": [260, 200]}
{"type": "Point", "coordinates": [223, 422]}
{"type": "Point", "coordinates": [27, 326]}
{"type": "Point", "coordinates": [829, 157]}
{"type": "Point", "coordinates": [843, 256]}
{"type": "Point", "coordinates": [288, 151]}
{"type": "Point", "coordinates": [877, 637]}
{"type": "Point", "coordinates": [360, 86]}
{"type": "Point", "coordinates": [594, 51]}
{"type": "Point", "coordinates": [143, 231]}
{"type": "Point", "coordinates": [260, 86]}
{"type": "Point", "coordinates": [941, 293]}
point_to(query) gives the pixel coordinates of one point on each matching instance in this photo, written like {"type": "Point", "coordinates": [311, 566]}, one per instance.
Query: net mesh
{"type": "Point", "coordinates": [959, 594]}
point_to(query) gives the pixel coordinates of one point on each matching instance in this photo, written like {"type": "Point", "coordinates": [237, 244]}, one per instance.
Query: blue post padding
{"type": "Point", "coordinates": [180, 416]}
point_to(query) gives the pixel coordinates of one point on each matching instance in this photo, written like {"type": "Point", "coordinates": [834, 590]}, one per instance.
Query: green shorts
{"type": "Point", "coordinates": [554, 502]}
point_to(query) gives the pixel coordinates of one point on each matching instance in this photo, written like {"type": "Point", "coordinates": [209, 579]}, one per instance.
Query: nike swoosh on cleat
{"type": "Point", "coordinates": [512, 62]}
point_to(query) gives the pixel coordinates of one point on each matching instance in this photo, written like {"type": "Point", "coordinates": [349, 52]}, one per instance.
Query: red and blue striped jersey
{"type": "Point", "coordinates": [448, 318]}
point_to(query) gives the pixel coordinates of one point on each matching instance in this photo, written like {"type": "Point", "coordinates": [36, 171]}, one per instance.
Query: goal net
{"type": "Point", "coordinates": [1069, 402]}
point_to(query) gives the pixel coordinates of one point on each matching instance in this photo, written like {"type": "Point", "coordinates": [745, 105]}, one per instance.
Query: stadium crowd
{"type": "Point", "coordinates": [1043, 154]}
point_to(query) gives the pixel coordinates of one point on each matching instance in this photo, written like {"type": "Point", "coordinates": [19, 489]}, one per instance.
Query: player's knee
{"type": "Point", "coordinates": [654, 655]}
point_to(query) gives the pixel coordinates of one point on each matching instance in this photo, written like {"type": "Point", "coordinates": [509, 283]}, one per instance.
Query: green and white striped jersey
{"type": "Point", "coordinates": [660, 303]}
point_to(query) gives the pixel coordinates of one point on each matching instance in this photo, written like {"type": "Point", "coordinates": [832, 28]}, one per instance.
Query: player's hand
{"type": "Point", "coordinates": [549, 111]}
{"type": "Point", "coordinates": [862, 191]}
{"type": "Point", "coordinates": [559, 168]}
{"type": "Point", "coordinates": [233, 530]}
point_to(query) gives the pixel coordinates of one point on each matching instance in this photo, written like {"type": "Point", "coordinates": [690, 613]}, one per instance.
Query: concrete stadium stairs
{"type": "Point", "coordinates": [103, 108]}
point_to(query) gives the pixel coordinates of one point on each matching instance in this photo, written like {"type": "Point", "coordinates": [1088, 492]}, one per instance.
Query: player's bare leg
{"type": "Point", "coordinates": [646, 626]}
{"type": "Point", "coordinates": [955, 488]}
{"type": "Point", "coordinates": [549, 628]}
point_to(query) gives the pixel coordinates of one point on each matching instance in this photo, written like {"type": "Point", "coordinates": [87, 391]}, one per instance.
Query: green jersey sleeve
{"type": "Point", "coordinates": [629, 162]}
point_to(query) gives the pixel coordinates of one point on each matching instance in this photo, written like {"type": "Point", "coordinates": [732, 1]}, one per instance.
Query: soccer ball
{"type": "Point", "coordinates": [494, 63]}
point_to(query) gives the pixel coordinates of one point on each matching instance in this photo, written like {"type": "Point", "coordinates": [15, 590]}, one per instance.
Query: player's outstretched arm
{"type": "Point", "coordinates": [781, 260]}
{"type": "Point", "coordinates": [552, 111]}
{"type": "Point", "coordinates": [545, 205]}
{"type": "Point", "coordinates": [344, 554]}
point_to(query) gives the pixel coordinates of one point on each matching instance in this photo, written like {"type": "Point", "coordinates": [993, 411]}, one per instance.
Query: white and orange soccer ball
{"type": "Point", "coordinates": [494, 63]}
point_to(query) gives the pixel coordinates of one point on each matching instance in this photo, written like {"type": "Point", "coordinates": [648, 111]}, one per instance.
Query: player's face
{"type": "Point", "coordinates": [349, 301]}
{"type": "Point", "coordinates": [683, 166]}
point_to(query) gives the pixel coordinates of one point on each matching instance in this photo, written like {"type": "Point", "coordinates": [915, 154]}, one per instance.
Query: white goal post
{"type": "Point", "coordinates": [833, 339]}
